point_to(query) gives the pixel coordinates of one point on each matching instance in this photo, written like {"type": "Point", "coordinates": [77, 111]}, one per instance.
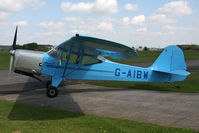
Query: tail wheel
{"type": "Point", "coordinates": [51, 91]}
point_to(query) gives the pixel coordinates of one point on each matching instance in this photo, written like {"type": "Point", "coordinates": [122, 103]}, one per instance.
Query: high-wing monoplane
{"type": "Point", "coordinates": [82, 57]}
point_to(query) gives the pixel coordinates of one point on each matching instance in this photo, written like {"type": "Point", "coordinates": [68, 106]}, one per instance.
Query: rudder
{"type": "Point", "coordinates": [171, 61]}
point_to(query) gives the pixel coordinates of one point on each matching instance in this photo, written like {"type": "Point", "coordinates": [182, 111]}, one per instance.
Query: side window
{"type": "Point", "coordinates": [88, 60]}
{"type": "Point", "coordinates": [73, 58]}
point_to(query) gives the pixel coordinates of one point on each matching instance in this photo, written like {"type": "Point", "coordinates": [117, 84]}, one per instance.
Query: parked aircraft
{"type": "Point", "coordinates": [82, 57]}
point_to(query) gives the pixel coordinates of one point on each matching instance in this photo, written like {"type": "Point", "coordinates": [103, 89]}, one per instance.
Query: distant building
{"type": "Point", "coordinates": [140, 49]}
{"type": "Point", "coordinates": [5, 47]}
{"type": "Point", "coordinates": [154, 49]}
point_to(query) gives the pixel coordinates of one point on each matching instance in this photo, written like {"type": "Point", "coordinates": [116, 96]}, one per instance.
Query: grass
{"type": "Point", "coordinates": [151, 56]}
{"type": "Point", "coordinates": [189, 85]}
{"type": "Point", "coordinates": [191, 54]}
{"type": "Point", "coordinates": [4, 60]}
{"type": "Point", "coordinates": [144, 56]}
{"type": "Point", "coordinates": [24, 118]}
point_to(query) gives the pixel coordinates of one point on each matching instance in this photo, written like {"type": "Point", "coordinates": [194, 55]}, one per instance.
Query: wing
{"type": "Point", "coordinates": [95, 46]}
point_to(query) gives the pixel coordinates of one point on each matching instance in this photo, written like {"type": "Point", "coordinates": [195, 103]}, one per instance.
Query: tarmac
{"type": "Point", "coordinates": [157, 107]}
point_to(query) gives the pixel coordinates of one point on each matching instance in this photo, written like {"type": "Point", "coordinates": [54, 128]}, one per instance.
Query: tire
{"type": "Point", "coordinates": [52, 91]}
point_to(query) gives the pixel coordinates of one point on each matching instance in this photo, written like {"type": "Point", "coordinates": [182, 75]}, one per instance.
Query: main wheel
{"type": "Point", "coordinates": [51, 91]}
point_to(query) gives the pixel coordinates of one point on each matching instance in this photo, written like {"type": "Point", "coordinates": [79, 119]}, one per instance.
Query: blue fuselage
{"type": "Point", "coordinates": [106, 70]}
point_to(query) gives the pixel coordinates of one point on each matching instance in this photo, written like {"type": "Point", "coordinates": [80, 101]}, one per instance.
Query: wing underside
{"type": "Point", "coordinates": [95, 46]}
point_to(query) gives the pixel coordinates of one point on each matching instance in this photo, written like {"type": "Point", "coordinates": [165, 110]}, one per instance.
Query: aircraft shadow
{"type": "Point", "coordinates": [35, 93]}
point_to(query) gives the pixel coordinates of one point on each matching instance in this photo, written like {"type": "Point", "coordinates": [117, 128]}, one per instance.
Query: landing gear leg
{"type": "Point", "coordinates": [48, 84]}
{"type": "Point", "coordinates": [51, 91]}
{"type": "Point", "coordinates": [51, 86]}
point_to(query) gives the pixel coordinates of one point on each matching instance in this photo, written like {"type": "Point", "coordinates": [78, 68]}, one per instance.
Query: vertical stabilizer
{"type": "Point", "coordinates": [171, 61]}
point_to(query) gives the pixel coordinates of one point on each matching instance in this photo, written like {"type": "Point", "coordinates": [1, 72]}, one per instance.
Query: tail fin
{"type": "Point", "coordinates": [171, 61]}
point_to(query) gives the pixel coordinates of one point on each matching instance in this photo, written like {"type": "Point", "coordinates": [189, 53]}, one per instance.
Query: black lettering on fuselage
{"type": "Point", "coordinates": [145, 75]}
{"type": "Point", "coordinates": [129, 74]}
{"type": "Point", "coordinates": [139, 74]}
{"type": "Point", "coordinates": [135, 74]}
{"type": "Point", "coordinates": [117, 72]}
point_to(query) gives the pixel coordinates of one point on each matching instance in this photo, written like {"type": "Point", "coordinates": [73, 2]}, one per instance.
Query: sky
{"type": "Point", "coordinates": [151, 23]}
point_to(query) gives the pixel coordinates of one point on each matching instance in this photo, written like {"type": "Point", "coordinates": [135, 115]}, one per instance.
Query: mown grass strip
{"type": "Point", "coordinates": [25, 118]}
{"type": "Point", "coordinates": [4, 60]}
{"type": "Point", "coordinates": [189, 85]}
{"type": "Point", "coordinates": [151, 56]}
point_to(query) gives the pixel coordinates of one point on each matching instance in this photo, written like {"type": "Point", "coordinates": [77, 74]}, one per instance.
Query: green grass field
{"type": "Point", "coordinates": [151, 56]}
{"type": "Point", "coordinates": [189, 85]}
{"type": "Point", "coordinates": [4, 60]}
{"type": "Point", "coordinates": [25, 118]}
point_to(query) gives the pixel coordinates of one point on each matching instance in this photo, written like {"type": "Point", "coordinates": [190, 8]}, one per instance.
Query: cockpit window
{"type": "Point", "coordinates": [55, 52]}
{"type": "Point", "coordinates": [64, 55]}
{"type": "Point", "coordinates": [89, 60]}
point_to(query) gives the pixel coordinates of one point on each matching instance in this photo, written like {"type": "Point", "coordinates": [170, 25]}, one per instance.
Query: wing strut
{"type": "Point", "coordinates": [68, 59]}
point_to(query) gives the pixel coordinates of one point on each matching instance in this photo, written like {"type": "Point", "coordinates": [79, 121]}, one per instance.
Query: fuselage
{"type": "Point", "coordinates": [37, 63]}
{"type": "Point", "coordinates": [105, 70]}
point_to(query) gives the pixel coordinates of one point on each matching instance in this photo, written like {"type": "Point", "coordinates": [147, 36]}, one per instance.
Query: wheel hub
{"type": "Point", "coordinates": [52, 92]}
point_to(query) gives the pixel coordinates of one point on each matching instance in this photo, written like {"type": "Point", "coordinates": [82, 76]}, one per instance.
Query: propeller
{"type": "Point", "coordinates": [12, 52]}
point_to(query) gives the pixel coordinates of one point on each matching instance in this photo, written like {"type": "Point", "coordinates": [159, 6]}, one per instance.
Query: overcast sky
{"type": "Point", "coordinates": [151, 23]}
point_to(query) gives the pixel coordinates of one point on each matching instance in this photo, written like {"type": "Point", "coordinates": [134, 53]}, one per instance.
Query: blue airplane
{"type": "Point", "coordinates": [82, 57]}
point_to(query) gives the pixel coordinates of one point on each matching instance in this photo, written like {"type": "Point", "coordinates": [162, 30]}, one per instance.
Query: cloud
{"type": "Point", "coordinates": [21, 23]}
{"type": "Point", "coordinates": [17, 5]}
{"type": "Point", "coordinates": [52, 26]}
{"type": "Point", "coordinates": [169, 27]}
{"type": "Point", "coordinates": [79, 31]}
{"type": "Point", "coordinates": [138, 20]}
{"type": "Point", "coordinates": [176, 8]}
{"type": "Point", "coordinates": [106, 6]}
{"type": "Point", "coordinates": [105, 26]}
{"type": "Point", "coordinates": [161, 19]}
{"type": "Point", "coordinates": [7, 7]}
{"type": "Point", "coordinates": [11, 5]}
{"type": "Point", "coordinates": [36, 4]}
{"type": "Point", "coordinates": [80, 7]}
{"type": "Point", "coordinates": [126, 21]}
{"type": "Point", "coordinates": [131, 7]}
{"type": "Point", "coordinates": [98, 6]}
{"type": "Point", "coordinates": [142, 29]}
{"type": "Point", "coordinates": [169, 12]}
{"type": "Point", "coordinates": [4, 15]}
{"type": "Point", "coordinates": [71, 19]}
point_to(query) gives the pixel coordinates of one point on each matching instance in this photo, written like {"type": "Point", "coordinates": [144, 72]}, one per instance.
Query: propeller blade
{"type": "Point", "coordinates": [11, 60]}
{"type": "Point", "coordinates": [15, 39]}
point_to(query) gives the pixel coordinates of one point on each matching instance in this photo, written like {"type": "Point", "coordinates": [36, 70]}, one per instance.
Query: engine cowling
{"type": "Point", "coordinates": [28, 61]}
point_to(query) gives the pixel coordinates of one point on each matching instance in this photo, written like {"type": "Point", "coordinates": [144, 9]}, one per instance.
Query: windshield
{"type": "Point", "coordinates": [54, 52]}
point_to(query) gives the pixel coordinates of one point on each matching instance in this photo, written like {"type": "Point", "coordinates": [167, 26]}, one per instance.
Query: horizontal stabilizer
{"type": "Point", "coordinates": [176, 72]}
